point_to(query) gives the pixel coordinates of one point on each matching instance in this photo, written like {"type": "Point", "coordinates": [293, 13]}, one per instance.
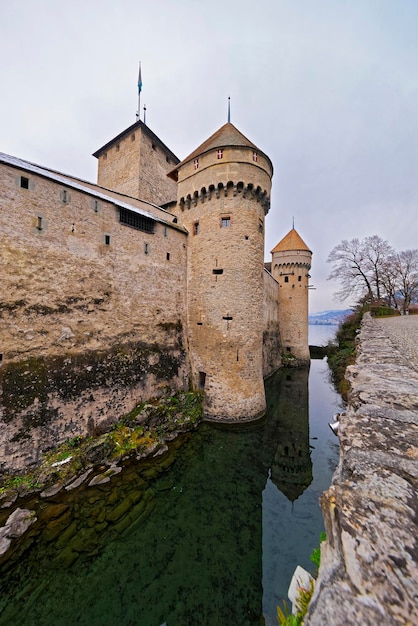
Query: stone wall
{"type": "Point", "coordinates": [271, 336]}
{"type": "Point", "coordinates": [369, 562]}
{"type": "Point", "coordinates": [92, 314]}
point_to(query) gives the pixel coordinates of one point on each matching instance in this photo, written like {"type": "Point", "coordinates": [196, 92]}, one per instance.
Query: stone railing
{"type": "Point", "coordinates": [369, 562]}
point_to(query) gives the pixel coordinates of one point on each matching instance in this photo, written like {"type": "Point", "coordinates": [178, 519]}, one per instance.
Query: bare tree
{"type": "Point", "coordinates": [406, 266]}
{"type": "Point", "coordinates": [377, 256]}
{"type": "Point", "coordinates": [350, 269]}
{"type": "Point", "coordinates": [372, 271]}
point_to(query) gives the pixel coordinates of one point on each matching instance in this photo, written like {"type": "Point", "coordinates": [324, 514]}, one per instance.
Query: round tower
{"type": "Point", "coordinates": [223, 198]}
{"type": "Point", "coordinates": [291, 262]}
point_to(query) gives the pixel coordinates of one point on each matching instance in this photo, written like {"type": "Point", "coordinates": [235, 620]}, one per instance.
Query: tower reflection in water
{"type": "Point", "coordinates": [291, 466]}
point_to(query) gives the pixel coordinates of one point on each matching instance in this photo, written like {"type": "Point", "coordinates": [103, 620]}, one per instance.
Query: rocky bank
{"type": "Point", "coordinates": [369, 562]}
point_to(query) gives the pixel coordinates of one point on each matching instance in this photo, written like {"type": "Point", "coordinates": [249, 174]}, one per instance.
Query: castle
{"type": "Point", "coordinates": [152, 278]}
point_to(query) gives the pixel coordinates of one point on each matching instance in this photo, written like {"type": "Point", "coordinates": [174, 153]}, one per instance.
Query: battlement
{"type": "Point", "coordinates": [225, 189]}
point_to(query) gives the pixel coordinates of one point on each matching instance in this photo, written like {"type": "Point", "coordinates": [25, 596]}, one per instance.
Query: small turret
{"type": "Point", "coordinates": [291, 262]}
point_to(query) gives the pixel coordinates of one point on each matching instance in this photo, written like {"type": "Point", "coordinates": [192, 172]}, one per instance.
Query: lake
{"type": "Point", "coordinates": [212, 531]}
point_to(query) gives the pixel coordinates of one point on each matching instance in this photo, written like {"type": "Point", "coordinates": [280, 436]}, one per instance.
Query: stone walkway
{"type": "Point", "coordinates": [402, 332]}
{"type": "Point", "coordinates": [369, 562]}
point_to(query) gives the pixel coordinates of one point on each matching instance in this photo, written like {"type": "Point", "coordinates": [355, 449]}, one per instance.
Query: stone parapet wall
{"type": "Point", "coordinates": [369, 562]}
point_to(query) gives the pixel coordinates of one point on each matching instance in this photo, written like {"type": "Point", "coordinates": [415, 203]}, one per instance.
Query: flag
{"type": "Point", "coordinates": [139, 79]}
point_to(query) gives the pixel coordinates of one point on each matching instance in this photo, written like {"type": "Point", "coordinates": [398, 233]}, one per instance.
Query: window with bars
{"type": "Point", "coordinates": [140, 222]}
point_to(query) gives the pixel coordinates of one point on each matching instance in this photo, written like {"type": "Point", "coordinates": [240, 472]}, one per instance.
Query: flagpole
{"type": "Point", "coordinates": [138, 113]}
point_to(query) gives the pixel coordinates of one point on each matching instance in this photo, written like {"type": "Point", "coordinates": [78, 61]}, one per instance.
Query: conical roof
{"type": "Point", "coordinates": [291, 241]}
{"type": "Point", "coordinates": [227, 136]}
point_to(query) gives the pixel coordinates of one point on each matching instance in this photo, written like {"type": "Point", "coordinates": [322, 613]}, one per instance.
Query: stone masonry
{"type": "Point", "coordinates": [369, 562]}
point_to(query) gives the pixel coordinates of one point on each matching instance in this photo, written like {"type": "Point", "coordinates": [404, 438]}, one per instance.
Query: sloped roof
{"type": "Point", "coordinates": [227, 136]}
{"type": "Point", "coordinates": [138, 125]}
{"type": "Point", "coordinates": [121, 200]}
{"type": "Point", "coordinates": [291, 241]}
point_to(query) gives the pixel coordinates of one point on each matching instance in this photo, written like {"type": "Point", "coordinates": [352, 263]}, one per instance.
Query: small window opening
{"type": "Point", "coordinates": [96, 206]}
{"type": "Point", "coordinates": [153, 146]}
{"type": "Point", "coordinates": [299, 278]}
{"type": "Point", "coordinates": [288, 349]}
{"type": "Point", "coordinates": [24, 182]}
{"type": "Point", "coordinates": [1, 357]}
{"type": "Point", "coordinates": [246, 237]}
{"type": "Point", "coordinates": [202, 380]}
{"type": "Point", "coordinates": [167, 159]}
{"type": "Point", "coordinates": [286, 450]}
{"type": "Point", "coordinates": [168, 256]}
{"type": "Point", "coordinates": [39, 223]}
{"type": "Point", "coordinates": [255, 156]}
{"type": "Point", "coordinates": [286, 279]}
{"type": "Point", "coordinates": [260, 226]}
{"type": "Point", "coordinates": [226, 222]}
{"type": "Point", "coordinates": [196, 228]}
{"type": "Point", "coordinates": [117, 147]}
{"type": "Point", "coordinates": [220, 154]}
{"type": "Point", "coordinates": [146, 248]}
{"type": "Point", "coordinates": [217, 271]}
{"type": "Point", "coordinates": [196, 163]}
{"type": "Point", "coordinates": [65, 196]}
{"type": "Point", "coordinates": [107, 240]}
{"type": "Point", "coordinates": [199, 323]}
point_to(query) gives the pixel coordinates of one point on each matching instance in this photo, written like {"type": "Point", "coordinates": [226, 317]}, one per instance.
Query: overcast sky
{"type": "Point", "coordinates": [327, 88]}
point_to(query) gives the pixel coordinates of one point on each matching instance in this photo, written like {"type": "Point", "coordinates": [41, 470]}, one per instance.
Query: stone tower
{"type": "Point", "coordinates": [136, 163]}
{"type": "Point", "coordinates": [291, 262]}
{"type": "Point", "coordinates": [223, 197]}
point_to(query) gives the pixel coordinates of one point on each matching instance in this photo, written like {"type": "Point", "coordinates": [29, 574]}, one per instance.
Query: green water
{"type": "Point", "coordinates": [207, 535]}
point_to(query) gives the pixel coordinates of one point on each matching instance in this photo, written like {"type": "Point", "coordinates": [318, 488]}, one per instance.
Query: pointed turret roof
{"type": "Point", "coordinates": [291, 241]}
{"type": "Point", "coordinates": [227, 136]}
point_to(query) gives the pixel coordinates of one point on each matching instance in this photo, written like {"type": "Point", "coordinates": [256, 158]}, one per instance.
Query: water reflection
{"type": "Point", "coordinates": [291, 465]}
{"type": "Point", "coordinates": [208, 535]}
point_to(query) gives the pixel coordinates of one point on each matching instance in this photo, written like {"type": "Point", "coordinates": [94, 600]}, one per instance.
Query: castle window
{"type": "Point", "coordinates": [107, 240]}
{"type": "Point", "coordinates": [24, 182]}
{"type": "Point", "coordinates": [202, 379]}
{"type": "Point", "coordinates": [165, 231]}
{"type": "Point", "coordinates": [96, 206]}
{"type": "Point", "coordinates": [225, 222]}
{"type": "Point", "coordinates": [39, 222]}
{"type": "Point", "coordinates": [168, 256]}
{"type": "Point", "coordinates": [135, 220]}
{"type": "Point", "coordinates": [299, 278]}
{"type": "Point", "coordinates": [260, 226]}
{"type": "Point", "coordinates": [217, 271]}
{"type": "Point", "coordinates": [153, 146]}
{"type": "Point", "coordinates": [146, 248]}
{"type": "Point", "coordinates": [255, 156]}
{"type": "Point", "coordinates": [220, 154]}
{"type": "Point", "coordinates": [196, 163]}
{"type": "Point", "coordinates": [65, 196]}
{"type": "Point", "coordinates": [196, 228]}
{"type": "Point", "coordinates": [286, 279]}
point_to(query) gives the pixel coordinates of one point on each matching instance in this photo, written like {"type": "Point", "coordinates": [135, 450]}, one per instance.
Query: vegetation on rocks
{"type": "Point", "coordinates": [139, 433]}
{"type": "Point", "coordinates": [342, 350]}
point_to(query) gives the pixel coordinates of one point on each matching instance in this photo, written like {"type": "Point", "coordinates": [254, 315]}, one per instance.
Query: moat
{"type": "Point", "coordinates": [215, 530]}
